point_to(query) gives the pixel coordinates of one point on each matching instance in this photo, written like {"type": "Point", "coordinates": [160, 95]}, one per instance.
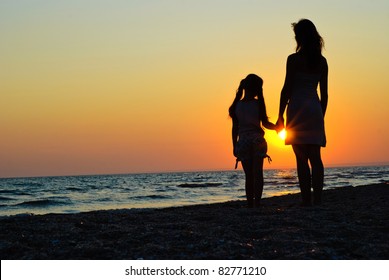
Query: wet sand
{"type": "Point", "coordinates": [352, 223]}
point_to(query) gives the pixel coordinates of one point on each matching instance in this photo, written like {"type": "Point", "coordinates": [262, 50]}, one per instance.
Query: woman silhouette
{"type": "Point", "coordinates": [305, 70]}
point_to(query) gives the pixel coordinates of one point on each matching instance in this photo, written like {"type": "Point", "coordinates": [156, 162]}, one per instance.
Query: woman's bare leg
{"type": "Point", "coordinates": [303, 172]}
{"type": "Point", "coordinates": [317, 173]}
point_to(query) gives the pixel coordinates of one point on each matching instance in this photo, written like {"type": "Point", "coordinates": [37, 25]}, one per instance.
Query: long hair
{"type": "Point", "coordinates": [309, 42]}
{"type": "Point", "coordinates": [252, 83]}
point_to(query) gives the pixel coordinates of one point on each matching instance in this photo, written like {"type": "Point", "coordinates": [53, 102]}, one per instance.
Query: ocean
{"type": "Point", "coordinates": [73, 194]}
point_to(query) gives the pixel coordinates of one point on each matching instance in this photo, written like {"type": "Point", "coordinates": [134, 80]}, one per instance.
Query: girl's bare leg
{"type": "Point", "coordinates": [258, 180]}
{"type": "Point", "coordinates": [249, 185]}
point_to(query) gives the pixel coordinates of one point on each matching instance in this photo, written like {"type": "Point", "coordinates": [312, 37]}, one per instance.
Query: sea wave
{"type": "Point", "coordinates": [14, 192]}
{"type": "Point", "coordinates": [3, 198]}
{"type": "Point", "coordinates": [44, 202]}
{"type": "Point", "coordinates": [151, 197]}
{"type": "Point", "coordinates": [28, 184]}
{"type": "Point", "coordinates": [199, 185]}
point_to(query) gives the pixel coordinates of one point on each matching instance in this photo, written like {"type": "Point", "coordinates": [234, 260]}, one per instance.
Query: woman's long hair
{"type": "Point", "coordinates": [309, 42]}
{"type": "Point", "coordinates": [252, 83]}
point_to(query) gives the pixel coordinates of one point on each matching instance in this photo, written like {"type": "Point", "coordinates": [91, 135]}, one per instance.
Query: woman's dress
{"type": "Point", "coordinates": [305, 121]}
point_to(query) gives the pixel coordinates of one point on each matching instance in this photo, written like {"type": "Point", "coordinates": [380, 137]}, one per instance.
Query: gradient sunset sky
{"type": "Point", "coordinates": [100, 87]}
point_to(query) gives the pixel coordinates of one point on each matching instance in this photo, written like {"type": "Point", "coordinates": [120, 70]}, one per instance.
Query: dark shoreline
{"type": "Point", "coordinates": [353, 223]}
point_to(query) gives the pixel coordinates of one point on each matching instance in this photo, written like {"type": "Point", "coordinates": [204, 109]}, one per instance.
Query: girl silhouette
{"type": "Point", "coordinates": [249, 144]}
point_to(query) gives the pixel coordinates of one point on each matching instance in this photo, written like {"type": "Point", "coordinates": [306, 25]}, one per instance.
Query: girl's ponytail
{"type": "Point", "coordinates": [238, 97]}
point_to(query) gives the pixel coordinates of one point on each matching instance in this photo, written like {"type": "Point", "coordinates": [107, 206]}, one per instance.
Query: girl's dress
{"type": "Point", "coordinates": [251, 142]}
{"type": "Point", "coordinates": [305, 121]}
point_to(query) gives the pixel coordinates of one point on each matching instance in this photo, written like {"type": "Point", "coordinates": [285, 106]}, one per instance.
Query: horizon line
{"type": "Point", "coordinates": [336, 165]}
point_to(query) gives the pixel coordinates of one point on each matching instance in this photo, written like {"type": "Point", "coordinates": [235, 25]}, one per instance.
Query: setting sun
{"type": "Point", "coordinates": [282, 134]}
{"type": "Point", "coordinates": [144, 86]}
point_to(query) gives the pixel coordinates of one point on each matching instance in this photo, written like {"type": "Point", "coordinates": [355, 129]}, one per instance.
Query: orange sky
{"type": "Point", "coordinates": [144, 86]}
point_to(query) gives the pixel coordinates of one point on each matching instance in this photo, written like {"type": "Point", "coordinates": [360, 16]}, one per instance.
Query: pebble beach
{"type": "Point", "coordinates": [352, 224]}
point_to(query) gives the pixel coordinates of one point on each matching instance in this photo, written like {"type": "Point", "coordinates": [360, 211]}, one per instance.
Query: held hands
{"type": "Point", "coordinates": [280, 124]}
